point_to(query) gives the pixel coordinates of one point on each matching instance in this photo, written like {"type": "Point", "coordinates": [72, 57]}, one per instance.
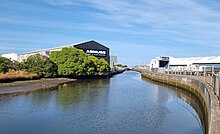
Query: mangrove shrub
{"type": "Point", "coordinates": [5, 65]}
{"type": "Point", "coordinates": [41, 65]}
{"type": "Point", "coordinates": [75, 62]}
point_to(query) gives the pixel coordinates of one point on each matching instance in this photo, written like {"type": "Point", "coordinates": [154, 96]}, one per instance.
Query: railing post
{"type": "Point", "coordinates": [212, 70]}
{"type": "Point", "coordinates": [214, 83]}
{"type": "Point", "coordinates": [218, 88]}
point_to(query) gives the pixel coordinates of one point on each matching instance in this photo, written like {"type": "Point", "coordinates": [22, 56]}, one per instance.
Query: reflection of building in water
{"type": "Point", "coordinates": [195, 105]}
{"type": "Point", "coordinates": [159, 111]}
{"type": "Point", "coordinates": [163, 95]}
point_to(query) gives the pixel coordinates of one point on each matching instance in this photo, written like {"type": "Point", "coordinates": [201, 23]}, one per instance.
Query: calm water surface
{"type": "Point", "coordinates": [122, 104]}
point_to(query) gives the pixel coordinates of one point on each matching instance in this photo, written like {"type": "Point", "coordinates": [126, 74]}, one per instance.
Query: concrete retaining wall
{"type": "Point", "coordinates": [201, 90]}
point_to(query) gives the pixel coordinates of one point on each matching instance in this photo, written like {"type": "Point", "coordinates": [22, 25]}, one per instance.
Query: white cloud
{"type": "Point", "coordinates": [60, 2]}
{"type": "Point", "coordinates": [186, 20]}
{"type": "Point", "coordinates": [183, 21]}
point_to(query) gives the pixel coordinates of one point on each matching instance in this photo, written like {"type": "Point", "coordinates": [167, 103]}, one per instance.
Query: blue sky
{"type": "Point", "coordinates": [135, 31]}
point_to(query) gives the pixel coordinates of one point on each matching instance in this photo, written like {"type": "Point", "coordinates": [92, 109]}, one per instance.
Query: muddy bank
{"type": "Point", "coordinates": [27, 86]}
{"type": "Point", "coordinates": [23, 87]}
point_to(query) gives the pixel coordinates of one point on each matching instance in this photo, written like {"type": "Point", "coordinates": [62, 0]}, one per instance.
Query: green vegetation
{"type": "Point", "coordinates": [11, 70]}
{"type": "Point", "coordinates": [41, 65]}
{"type": "Point", "coordinates": [5, 65]}
{"type": "Point", "coordinates": [120, 65]}
{"type": "Point", "coordinates": [101, 65]}
{"type": "Point", "coordinates": [74, 62]}
{"type": "Point", "coordinates": [70, 62]}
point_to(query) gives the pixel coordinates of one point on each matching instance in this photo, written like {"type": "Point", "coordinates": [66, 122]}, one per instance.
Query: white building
{"type": "Point", "coordinates": [11, 56]}
{"type": "Point", "coordinates": [144, 67]}
{"type": "Point", "coordinates": [113, 60]}
{"type": "Point", "coordinates": [90, 47]}
{"type": "Point", "coordinates": [194, 64]}
{"type": "Point", "coordinates": [159, 63]}
{"type": "Point", "coordinates": [45, 52]}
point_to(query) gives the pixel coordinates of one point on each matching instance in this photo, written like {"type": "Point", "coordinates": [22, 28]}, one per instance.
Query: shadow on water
{"type": "Point", "coordinates": [195, 106]}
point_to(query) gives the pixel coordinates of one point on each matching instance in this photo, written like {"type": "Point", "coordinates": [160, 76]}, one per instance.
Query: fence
{"type": "Point", "coordinates": [211, 79]}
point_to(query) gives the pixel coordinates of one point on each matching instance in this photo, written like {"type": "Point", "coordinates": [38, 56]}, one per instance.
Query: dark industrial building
{"type": "Point", "coordinates": [94, 48]}
{"type": "Point", "coordinates": [90, 47]}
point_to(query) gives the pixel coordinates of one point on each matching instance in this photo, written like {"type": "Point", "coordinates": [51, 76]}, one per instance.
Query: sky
{"type": "Point", "coordinates": [135, 31]}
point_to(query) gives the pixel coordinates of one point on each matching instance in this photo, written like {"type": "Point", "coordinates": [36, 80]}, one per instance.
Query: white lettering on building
{"type": "Point", "coordinates": [99, 52]}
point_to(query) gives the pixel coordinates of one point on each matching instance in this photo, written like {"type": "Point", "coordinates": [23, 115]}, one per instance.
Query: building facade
{"type": "Point", "coordinates": [190, 64]}
{"type": "Point", "coordinates": [160, 62]}
{"type": "Point", "coordinates": [94, 48]}
{"type": "Point", "coordinates": [90, 47]}
{"type": "Point", "coordinates": [11, 56]}
{"type": "Point", "coordinates": [113, 60]}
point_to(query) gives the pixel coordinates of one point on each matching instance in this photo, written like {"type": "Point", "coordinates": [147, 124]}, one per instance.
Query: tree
{"type": "Point", "coordinates": [89, 66]}
{"type": "Point", "coordinates": [17, 66]}
{"type": "Point", "coordinates": [41, 65]}
{"type": "Point", "coordinates": [124, 66]}
{"type": "Point", "coordinates": [5, 65]}
{"type": "Point", "coordinates": [75, 62]}
{"type": "Point", "coordinates": [102, 66]}
{"type": "Point", "coordinates": [68, 61]}
{"type": "Point", "coordinates": [120, 65]}
{"type": "Point", "coordinates": [72, 61]}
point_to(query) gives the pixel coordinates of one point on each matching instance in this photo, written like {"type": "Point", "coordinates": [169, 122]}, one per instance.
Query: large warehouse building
{"type": "Point", "coordinates": [94, 48]}
{"type": "Point", "coordinates": [90, 47]}
{"type": "Point", "coordinates": [194, 64]}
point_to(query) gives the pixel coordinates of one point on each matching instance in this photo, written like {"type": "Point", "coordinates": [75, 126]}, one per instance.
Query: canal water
{"type": "Point", "coordinates": [125, 103]}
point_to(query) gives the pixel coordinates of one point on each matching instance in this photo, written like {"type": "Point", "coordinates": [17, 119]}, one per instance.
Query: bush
{"type": "Point", "coordinates": [74, 62]}
{"type": "Point", "coordinates": [5, 65]}
{"type": "Point", "coordinates": [41, 65]}
{"type": "Point", "coordinates": [17, 75]}
{"type": "Point", "coordinates": [101, 65]}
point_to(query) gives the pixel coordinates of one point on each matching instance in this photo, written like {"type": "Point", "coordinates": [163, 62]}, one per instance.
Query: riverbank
{"type": "Point", "coordinates": [27, 86]}
{"type": "Point", "coordinates": [17, 76]}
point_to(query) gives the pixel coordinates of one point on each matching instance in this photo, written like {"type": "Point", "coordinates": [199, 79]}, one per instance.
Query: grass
{"type": "Point", "coordinates": [17, 75]}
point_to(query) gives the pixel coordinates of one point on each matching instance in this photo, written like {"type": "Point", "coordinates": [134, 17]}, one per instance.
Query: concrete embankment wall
{"type": "Point", "coordinates": [202, 91]}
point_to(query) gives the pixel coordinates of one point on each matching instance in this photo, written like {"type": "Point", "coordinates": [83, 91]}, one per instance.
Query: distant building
{"type": "Point", "coordinates": [90, 47]}
{"type": "Point", "coordinates": [143, 67]}
{"type": "Point", "coordinates": [94, 48]}
{"type": "Point", "coordinates": [113, 60]}
{"type": "Point", "coordinates": [159, 63]}
{"type": "Point", "coordinates": [194, 64]}
{"type": "Point", "coordinates": [11, 56]}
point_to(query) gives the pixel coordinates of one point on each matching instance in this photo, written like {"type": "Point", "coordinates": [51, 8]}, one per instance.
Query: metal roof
{"type": "Point", "coordinates": [60, 47]}
{"type": "Point", "coordinates": [195, 60]}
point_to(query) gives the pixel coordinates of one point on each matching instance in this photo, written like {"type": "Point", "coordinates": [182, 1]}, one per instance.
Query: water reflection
{"type": "Point", "coordinates": [122, 104]}
{"type": "Point", "coordinates": [70, 94]}
{"type": "Point", "coordinates": [193, 103]}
